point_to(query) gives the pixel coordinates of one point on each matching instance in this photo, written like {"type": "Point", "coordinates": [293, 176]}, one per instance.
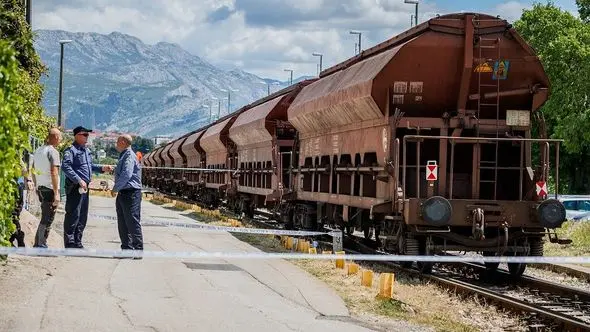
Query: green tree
{"type": "Point", "coordinates": [562, 42]}
{"type": "Point", "coordinates": [584, 9]}
{"type": "Point", "coordinates": [144, 145]}
{"type": "Point", "coordinates": [21, 113]}
{"type": "Point", "coordinates": [14, 135]}
{"type": "Point", "coordinates": [14, 28]}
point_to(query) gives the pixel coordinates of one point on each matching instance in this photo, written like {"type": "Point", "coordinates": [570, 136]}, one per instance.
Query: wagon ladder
{"type": "Point", "coordinates": [492, 45]}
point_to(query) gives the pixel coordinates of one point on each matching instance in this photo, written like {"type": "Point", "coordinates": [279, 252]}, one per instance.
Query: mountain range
{"type": "Point", "coordinates": [116, 82]}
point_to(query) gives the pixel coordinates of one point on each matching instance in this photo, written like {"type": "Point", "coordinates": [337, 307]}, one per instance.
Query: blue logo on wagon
{"type": "Point", "coordinates": [501, 70]}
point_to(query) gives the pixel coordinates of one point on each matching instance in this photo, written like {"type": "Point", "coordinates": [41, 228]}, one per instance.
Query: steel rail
{"type": "Point", "coordinates": [567, 322]}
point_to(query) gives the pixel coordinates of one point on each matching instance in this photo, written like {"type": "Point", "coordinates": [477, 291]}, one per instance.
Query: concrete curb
{"type": "Point", "coordinates": [29, 224]}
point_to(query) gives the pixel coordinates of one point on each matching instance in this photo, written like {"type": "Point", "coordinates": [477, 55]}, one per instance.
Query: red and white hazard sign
{"type": "Point", "coordinates": [431, 170]}
{"type": "Point", "coordinates": [541, 188]}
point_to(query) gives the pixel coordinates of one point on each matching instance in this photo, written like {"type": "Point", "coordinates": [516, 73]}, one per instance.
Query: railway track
{"type": "Point", "coordinates": [543, 304]}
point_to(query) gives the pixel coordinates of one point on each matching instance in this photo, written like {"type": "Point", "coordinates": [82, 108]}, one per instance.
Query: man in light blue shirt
{"type": "Point", "coordinates": [128, 203]}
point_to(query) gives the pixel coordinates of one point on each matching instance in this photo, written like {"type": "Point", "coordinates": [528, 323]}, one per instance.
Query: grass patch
{"type": "Point", "coordinates": [266, 243]}
{"type": "Point", "coordinates": [579, 233]}
{"type": "Point", "coordinates": [389, 307]}
{"type": "Point", "coordinates": [414, 301]}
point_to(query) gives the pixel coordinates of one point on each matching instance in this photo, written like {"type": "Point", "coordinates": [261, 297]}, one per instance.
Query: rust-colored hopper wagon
{"type": "Point", "coordinates": [425, 141]}
{"type": "Point", "coordinates": [146, 171]}
{"type": "Point", "coordinates": [264, 141]}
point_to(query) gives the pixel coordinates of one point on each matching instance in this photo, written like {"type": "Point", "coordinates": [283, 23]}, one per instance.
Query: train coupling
{"type": "Point", "coordinates": [554, 239]}
{"type": "Point", "coordinates": [478, 224]}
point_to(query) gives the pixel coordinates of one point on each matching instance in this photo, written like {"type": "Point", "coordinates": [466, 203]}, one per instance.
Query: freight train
{"type": "Point", "coordinates": [423, 142]}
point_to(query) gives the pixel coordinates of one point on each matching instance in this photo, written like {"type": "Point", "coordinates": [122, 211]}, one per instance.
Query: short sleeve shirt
{"type": "Point", "coordinates": [44, 159]}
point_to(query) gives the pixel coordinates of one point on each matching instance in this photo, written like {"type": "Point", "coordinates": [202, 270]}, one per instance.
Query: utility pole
{"type": "Point", "coordinates": [359, 43]}
{"type": "Point", "coordinates": [219, 109]}
{"type": "Point", "coordinates": [207, 106]}
{"type": "Point", "coordinates": [269, 84]}
{"type": "Point", "coordinates": [414, 2]}
{"type": "Point", "coordinates": [211, 107]}
{"type": "Point", "coordinates": [28, 12]}
{"type": "Point", "coordinates": [320, 65]}
{"type": "Point", "coordinates": [60, 120]}
{"type": "Point", "coordinates": [291, 79]}
{"type": "Point", "coordinates": [229, 97]}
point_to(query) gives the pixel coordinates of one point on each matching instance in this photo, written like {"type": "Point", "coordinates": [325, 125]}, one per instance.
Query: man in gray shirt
{"type": "Point", "coordinates": [46, 162]}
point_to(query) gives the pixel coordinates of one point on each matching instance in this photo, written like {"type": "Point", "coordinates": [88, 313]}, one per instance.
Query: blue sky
{"type": "Point", "coordinates": [263, 37]}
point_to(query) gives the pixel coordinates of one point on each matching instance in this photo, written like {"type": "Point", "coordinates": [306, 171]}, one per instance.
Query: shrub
{"type": "Point", "coordinates": [13, 135]}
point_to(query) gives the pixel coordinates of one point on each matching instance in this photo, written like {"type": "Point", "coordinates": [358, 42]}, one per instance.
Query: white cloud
{"type": "Point", "coordinates": [510, 10]}
{"type": "Point", "coordinates": [259, 37]}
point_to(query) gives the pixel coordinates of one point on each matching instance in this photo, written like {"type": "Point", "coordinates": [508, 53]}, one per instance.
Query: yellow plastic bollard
{"type": "Point", "coordinates": [353, 268]}
{"type": "Point", "coordinates": [386, 285]}
{"type": "Point", "coordinates": [313, 251]}
{"type": "Point", "coordinates": [290, 243]}
{"type": "Point", "coordinates": [340, 262]}
{"type": "Point", "coordinates": [367, 278]}
{"type": "Point", "coordinates": [304, 246]}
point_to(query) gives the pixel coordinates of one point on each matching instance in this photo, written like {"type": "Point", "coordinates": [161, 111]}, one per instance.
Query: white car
{"type": "Point", "coordinates": [577, 207]}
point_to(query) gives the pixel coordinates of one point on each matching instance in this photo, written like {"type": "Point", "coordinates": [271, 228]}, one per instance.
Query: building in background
{"type": "Point", "coordinates": [162, 139]}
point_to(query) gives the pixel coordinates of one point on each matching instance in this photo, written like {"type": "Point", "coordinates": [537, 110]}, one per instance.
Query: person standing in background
{"type": "Point", "coordinates": [46, 163]}
{"type": "Point", "coordinates": [21, 182]}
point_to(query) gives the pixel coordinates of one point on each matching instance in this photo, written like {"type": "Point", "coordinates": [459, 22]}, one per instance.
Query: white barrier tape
{"type": "Point", "coordinates": [205, 227]}
{"type": "Point", "coordinates": [102, 253]}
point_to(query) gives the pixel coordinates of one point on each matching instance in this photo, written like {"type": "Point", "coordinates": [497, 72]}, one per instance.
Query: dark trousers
{"type": "Point", "coordinates": [76, 216]}
{"type": "Point", "coordinates": [128, 217]}
{"type": "Point", "coordinates": [18, 235]}
{"type": "Point", "coordinates": [46, 197]}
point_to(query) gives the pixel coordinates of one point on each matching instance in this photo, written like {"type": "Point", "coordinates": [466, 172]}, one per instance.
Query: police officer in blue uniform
{"type": "Point", "coordinates": [78, 167]}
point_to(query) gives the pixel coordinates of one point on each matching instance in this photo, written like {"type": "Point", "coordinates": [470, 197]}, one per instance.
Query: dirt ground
{"type": "Point", "coordinates": [413, 301]}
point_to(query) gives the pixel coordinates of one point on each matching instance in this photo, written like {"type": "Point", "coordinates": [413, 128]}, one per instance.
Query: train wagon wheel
{"type": "Point", "coordinates": [516, 269]}
{"type": "Point", "coordinates": [490, 266]}
{"type": "Point", "coordinates": [424, 267]}
{"type": "Point", "coordinates": [535, 249]}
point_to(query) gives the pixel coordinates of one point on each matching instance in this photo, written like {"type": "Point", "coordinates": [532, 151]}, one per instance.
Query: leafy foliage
{"type": "Point", "coordinates": [14, 28]}
{"type": "Point", "coordinates": [144, 145]}
{"type": "Point", "coordinates": [13, 135]}
{"type": "Point", "coordinates": [562, 42]}
{"type": "Point", "coordinates": [584, 9]}
{"type": "Point", "coordinates": [21, 113]}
